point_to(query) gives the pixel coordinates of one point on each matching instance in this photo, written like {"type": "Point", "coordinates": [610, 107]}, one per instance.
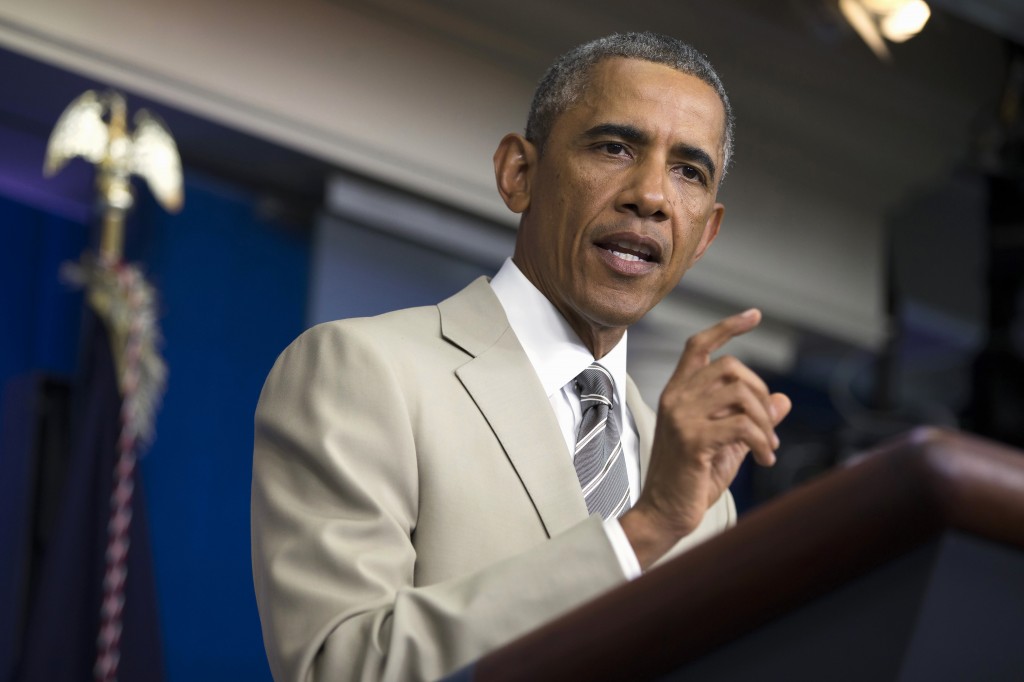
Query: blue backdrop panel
{"type": "Point", "coordinates": [233, 292]}
{"type": "Point", "coordinates": [39, 316]}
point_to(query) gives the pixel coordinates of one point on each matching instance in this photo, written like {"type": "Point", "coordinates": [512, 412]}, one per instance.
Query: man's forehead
{"type": "Point", "coordinates": [619, 89]}
{"type": "Point", "coordinates": [619, 80]}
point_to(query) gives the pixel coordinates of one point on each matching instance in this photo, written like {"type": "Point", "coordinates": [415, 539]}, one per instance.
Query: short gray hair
{"type": "Point", "coordinates": [563, 84]}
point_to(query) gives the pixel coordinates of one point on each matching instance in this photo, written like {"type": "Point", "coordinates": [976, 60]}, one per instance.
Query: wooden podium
{"type": "Point", "coordinates": [907, 563]}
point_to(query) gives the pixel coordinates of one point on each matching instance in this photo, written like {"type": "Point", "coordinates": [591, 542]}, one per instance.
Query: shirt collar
{"type": "Point", "coordinates": [554, 350]}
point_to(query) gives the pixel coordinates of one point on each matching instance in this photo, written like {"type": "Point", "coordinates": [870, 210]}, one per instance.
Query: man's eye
{"type": "Point", "coordinates": [690, 173]}
{"type": "Point", "coordinates": [614, 148]}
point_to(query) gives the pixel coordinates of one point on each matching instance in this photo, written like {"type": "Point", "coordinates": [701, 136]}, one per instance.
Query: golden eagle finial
{"type": "Point", "coordinates": [94, 127]}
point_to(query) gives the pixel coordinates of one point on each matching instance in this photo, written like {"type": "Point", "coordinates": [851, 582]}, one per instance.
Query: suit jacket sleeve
{"type": "Point", "coordinates": [335, 504]}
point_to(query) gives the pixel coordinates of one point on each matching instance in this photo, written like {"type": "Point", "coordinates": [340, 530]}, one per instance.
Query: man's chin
{"type": "Point", "coordinates": [620, 316]}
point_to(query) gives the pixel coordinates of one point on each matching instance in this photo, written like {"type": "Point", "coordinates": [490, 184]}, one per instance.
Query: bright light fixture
{"type": "Point", "coordinates": [881, 6]}
{"type": "Point", "coordinates": [878, 20]}
{"type": "Point", "coordinates": [906, 21]}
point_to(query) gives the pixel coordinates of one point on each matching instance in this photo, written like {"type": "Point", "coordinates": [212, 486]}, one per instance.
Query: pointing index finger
{"type": "Point", "coordinates": [701, 345]}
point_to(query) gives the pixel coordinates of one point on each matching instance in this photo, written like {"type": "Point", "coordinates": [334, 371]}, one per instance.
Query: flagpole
{"type": "Point", "coordinates": [94, 127]}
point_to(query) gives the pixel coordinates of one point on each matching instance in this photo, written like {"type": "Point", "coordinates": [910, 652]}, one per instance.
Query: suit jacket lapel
{"type": "Point", "coordinates": [645, 420]}
{"type": "Point", "coordinates": [505, 388]}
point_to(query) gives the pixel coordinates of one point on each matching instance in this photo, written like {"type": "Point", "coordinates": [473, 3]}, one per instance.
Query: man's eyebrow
{"type": "Point", "coordinates": [619, 130]}
{"type": "Point", "coordinates": [629, 133]}
{"type": "Point", "coordinates": [697, 155]}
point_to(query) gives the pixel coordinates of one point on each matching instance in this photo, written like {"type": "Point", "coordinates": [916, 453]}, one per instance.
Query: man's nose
{"type": "Point", "coordinates": [646, 194]}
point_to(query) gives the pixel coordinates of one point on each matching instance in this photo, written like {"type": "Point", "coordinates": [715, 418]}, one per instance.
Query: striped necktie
{"type": "Point", "coordinates": [599, 460]}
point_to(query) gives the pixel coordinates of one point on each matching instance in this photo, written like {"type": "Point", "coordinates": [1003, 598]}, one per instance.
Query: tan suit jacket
{"type": "Point", "coordinates": [413, 505]}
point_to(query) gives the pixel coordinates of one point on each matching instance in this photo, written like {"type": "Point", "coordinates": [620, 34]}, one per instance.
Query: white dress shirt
{"type": "Point", "coordinates": [558, 356]}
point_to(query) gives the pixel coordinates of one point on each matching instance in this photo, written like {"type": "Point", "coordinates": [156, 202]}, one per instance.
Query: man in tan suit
{"type": "Point", "coordinates": [417, 494]}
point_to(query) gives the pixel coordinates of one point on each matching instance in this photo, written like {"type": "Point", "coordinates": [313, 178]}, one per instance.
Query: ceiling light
{"type": "Point", "coordinates": [906, 21]}
{"type": "Point", "coordinates": [878, 20]}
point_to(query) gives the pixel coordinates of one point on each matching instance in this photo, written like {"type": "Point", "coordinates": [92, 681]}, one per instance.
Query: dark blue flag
{"type": "Point", "coordinates": [59, 642]}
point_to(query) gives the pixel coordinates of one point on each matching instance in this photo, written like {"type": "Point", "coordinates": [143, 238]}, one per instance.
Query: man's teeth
{"type": "Point", "coordinates": [645, 254]}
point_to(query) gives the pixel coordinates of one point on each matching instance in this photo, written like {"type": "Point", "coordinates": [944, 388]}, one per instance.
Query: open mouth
{"type": "Point", "coordinates": [629, 250]}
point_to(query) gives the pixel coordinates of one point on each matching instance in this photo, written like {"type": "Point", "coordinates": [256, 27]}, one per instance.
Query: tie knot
{"type": "Point", "coordinates": [594, 384]}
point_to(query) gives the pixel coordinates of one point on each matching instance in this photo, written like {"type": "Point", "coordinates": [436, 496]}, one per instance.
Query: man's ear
{"type": "Point", "coordinates": [514, 162]}
{"type": "Point", "coordinates": [710, 230]}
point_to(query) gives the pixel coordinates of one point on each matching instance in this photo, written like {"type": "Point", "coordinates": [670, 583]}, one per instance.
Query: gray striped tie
{"type": "Point", "coordinates": [599, 460]}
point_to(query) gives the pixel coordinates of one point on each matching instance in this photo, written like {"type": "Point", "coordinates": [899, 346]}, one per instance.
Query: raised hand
{"type": "Point", "coordinates": [711, 414]}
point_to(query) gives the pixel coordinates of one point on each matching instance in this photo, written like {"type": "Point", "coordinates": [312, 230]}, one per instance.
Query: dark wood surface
{"type": "Point", "coordinates": [874, 508]}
